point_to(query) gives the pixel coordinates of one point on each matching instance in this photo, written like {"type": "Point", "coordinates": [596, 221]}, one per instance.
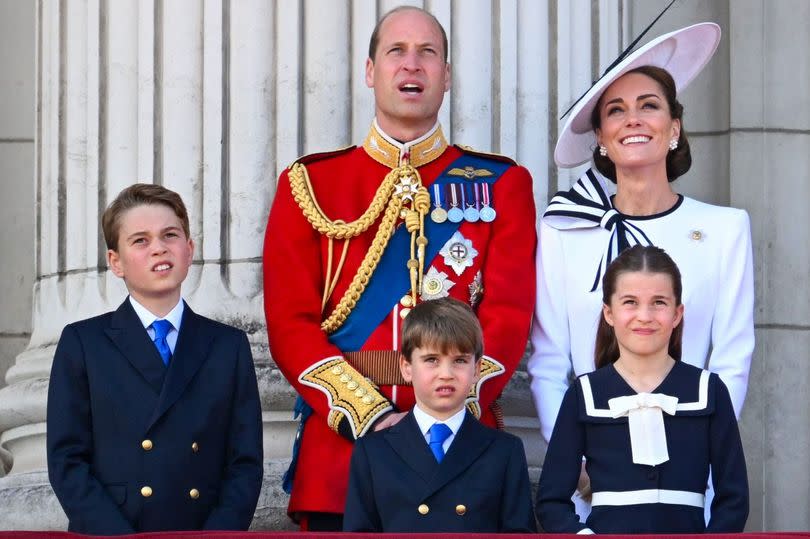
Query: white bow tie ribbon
{"type": "Point", "coordinates": [645, 416]}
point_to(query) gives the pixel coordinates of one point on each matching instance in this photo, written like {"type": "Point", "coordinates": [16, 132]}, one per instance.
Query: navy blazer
{"type": "Point", "coordinates": [481, 485]}
{"type": "Point", "coordinates": [134, 446]}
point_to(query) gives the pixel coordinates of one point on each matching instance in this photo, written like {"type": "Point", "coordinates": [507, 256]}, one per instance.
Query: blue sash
{"type": "Point", "coordinates": [391, 280]}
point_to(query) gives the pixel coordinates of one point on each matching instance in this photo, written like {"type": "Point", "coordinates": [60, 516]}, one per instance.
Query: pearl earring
{"type": "Point", "coordinates": [603, 150]}
{"type": "Point", "coordinates": [673, 144]}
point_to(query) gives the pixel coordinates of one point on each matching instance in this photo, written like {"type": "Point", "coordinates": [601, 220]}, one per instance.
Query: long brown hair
{"type": "Point", "coordinates": [647, 259]}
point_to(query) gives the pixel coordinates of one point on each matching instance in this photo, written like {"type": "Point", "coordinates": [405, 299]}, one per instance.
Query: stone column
{"type": "Point", "coordinates": [142, 91]}
{"type": "Point", "coordinates": [770, 137]}
{"type": "Point", "coordinates": [213, 98]}
{"type": "Point", "coordinates": [16, 170]}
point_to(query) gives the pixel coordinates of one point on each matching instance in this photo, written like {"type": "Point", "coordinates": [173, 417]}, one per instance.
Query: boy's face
{"type": "Point", "coordinates": [153, 254]}
{"type": "Point", "coordinates": [441, 381]}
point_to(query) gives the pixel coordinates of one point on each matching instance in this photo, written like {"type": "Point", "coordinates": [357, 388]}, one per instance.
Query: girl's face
{"type": "Point", "coordinates": [643, 313]}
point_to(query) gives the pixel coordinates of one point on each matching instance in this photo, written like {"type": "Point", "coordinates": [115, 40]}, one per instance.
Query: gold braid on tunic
{"type": "Point", "coordinates": [400, 194]}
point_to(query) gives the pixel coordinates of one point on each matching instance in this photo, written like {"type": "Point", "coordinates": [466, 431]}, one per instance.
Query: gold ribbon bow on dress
{"type": "Point", "coordinates": [644, 411]}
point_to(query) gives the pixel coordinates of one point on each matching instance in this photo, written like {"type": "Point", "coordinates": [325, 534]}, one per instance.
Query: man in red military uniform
{"type": "Point", "coordinates": [358, 236]}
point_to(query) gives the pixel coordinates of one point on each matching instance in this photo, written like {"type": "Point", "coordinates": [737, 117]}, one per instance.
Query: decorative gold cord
{"type": "Point", "coordinates": [305, 197]}
{"type": "Point", "coordinates": [410, 189]}
{"type": "Point", "coordinates": [337, 271]}
{"type": "Point", "coordinates": [331, 282]}
{"type": "Point", "coordinates": [366, 269]}
{"type": "Point", "coordinates": [327, 280]}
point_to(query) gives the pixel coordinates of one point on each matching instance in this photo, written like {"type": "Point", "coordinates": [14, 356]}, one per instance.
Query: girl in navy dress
{"type": "Point", "coordinates": [649, 425]}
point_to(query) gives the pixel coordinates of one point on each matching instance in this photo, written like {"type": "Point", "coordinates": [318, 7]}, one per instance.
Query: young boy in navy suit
{"type": "Point", "coordinates": [154, 420]}
{"type": "Point", "coordinates": [439, 469]}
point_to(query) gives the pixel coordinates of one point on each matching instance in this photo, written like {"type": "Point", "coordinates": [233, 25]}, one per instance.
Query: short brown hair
{"type": "Point", "coordinates": [140, 194]}
{"type": "Point", "coordinates": [647, 259]}
{"type": "Point", "coordinates": [375, 35]}
{"type": "Point", "coordinates": [446, 323]}
{"type": "Point", "coordinates": [679, 160]}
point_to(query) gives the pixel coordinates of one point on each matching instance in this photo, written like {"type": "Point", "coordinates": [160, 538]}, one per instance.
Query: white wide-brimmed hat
{"type": "Point", "coordinates": [683, 53]}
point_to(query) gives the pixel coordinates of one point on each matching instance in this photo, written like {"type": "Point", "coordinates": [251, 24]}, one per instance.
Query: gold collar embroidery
{"type": "Point", "coordinates": [392, 154]}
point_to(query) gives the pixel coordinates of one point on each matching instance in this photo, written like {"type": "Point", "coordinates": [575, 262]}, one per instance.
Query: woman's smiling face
{"type": "Point", "coordinates": [636, 123]}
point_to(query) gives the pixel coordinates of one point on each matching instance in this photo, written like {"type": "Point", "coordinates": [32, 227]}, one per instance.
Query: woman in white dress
{"type": "Point", "coordinates": [631, 124]}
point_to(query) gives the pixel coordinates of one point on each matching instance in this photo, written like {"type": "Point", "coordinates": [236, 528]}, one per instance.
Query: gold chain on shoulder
{"type": "Point", "coordinates": [403, 184]}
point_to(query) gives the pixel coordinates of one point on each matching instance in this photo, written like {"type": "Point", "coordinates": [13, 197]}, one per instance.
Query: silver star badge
{"type": "Point", "coordinates": [458, 253]}
{"type": "Point", "coordinates": [435, 284]}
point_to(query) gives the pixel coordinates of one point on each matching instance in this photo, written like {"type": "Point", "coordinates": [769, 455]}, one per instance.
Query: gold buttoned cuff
{"type": "Point", "coordinates": [351, 396]}
{"type": "Point", "coordinates": [489, 369]}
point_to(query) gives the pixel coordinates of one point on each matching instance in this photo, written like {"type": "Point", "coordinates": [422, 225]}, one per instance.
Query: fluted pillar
{"type": "Point", "coordinates": [180, 93]}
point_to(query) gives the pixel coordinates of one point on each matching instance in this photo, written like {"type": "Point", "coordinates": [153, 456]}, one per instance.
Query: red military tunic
{"type": "Point", "coordinates": [496, 277]}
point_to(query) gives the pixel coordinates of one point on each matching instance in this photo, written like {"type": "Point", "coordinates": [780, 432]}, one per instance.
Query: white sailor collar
{"type": "Point", "coordinates": [689, 384]}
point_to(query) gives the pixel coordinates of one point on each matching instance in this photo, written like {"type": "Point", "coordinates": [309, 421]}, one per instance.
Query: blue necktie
{"type": "Point", "coordinates": [438, 434]}
{"type": "Point", "coordinates": [162, 328]}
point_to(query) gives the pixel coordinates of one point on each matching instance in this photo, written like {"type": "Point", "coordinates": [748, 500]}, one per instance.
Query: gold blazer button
{"type": "Point", "coordinates": [194, 494]}
{"type": "Point", "coordinates": [423, 509]}
{"type": "Point", "coordinates": [195, 447]}
{"type": "Point", "coordinates": [461, 509]}
{"type": "Point", "coordinates": [146, 491]}
{"type": "Point", "coordinates": [147, 445]}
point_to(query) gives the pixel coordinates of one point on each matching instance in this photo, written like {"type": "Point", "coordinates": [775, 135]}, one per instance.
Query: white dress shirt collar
{"type": "Point", "coordinates": [425, 421]}
{"type": "Point", "coordinates": [175, 316]}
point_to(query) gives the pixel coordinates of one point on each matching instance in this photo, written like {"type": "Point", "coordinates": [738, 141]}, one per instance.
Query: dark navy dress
{"type": "Point", "coordinates": [636, 498]}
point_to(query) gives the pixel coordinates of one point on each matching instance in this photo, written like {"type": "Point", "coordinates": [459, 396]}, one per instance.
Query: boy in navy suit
{"type": "Point", "coordinates": [154, 420]}
{"type": "Point", "coordinates": [439, 469]}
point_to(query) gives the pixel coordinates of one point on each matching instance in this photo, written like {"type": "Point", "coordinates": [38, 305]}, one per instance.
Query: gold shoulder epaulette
{"type": "Point", "coordinates": [313, 157]}
{"type": "Point", "coordinates": [486, 155]}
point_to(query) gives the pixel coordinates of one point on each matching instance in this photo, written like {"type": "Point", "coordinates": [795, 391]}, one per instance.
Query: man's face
{"type": "Point", "coordinates": [408, 74]}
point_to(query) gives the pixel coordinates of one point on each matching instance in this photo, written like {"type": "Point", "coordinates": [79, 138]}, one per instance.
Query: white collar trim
{"type": "Point", "coordinates": [593, 411]}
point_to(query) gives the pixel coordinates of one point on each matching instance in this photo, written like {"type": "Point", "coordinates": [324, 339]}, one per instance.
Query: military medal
{"type": "Point", "coordinates": [458, 253]}
{"type": "Point", "coordinates": [439, 214]}
{"type": "Point", "coordinates": [476, 289]}
{"type": "Point", "coordinates": [470, 211]}
{"type": "Point", "coordinates": [435, 284]}
{"type": "Point", "coordinates": [487, 211]}
{"type": "Point", "coordinates": [454, 214]}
